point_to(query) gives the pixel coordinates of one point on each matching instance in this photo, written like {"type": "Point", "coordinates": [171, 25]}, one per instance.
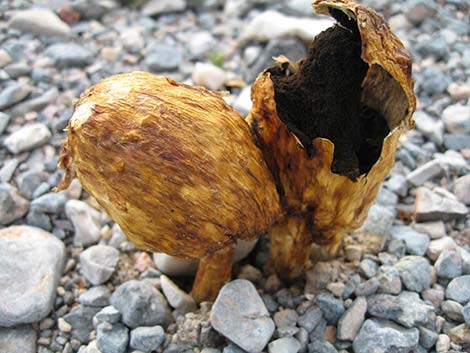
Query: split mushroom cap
{"type": "Point", "coordinates": [332, 203]}
{"type": "Point", "coordinates": [174, 165]}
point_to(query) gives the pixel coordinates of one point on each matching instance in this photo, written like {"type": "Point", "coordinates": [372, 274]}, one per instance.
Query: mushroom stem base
{"type": "Point", "coordinates": [290, 247]}
{"type": "Point", "coordinates": [213, 272]}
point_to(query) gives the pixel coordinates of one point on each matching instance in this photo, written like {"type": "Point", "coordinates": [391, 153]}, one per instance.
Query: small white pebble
{"type": "Point", "coordinates": [63, 325]}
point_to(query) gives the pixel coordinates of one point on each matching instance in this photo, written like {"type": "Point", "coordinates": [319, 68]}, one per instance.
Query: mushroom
{"type": "Point", "coordinates": [175, 166]}
{"type": "Point", "coordinates": [328, 127]}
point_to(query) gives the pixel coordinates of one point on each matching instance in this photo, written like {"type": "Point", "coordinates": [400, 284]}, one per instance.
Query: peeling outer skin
{"type": "Point", "coordinates": [172, 164]}
{"type": "Point", "coordinates": [332, 203]}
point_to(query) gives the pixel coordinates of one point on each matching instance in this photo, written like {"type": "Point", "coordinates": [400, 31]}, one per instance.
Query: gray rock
{"type": "Point", "coordinates": [443, 344]}
{"type": "Point", "coordinates": [310, 319]}
{"type": "Point", "coordinates": [4, 120]}
{"type": "Point", "coordinates": [36, 104]}
{"type": "Point", "coordinates": [20, 339]}
{"type": "Point", "coordinates": [86, 222]}
{"type": "Point", "coordinates": [161, 57]}
{"type": "Point", "coordinates": [384, 306]}
{"type": "Point", "coordinates": [132, 39]}
{"type": "Point", "coordinates": [108, 314]}
{"type": "Point", "coordinates": [200, 44]}
{"type": "Point", "coordinates": [386, 198]}
{"type": "Point", "coordinates": [415, 273]}
{"type": "Point", "coordinates": [95, 296]}
{"type": "Point", "coordinates": [40, 21]}
{"type": "Point", "coordinates": [389, 280]}
{"type": "Point", "coordinates": [456, 118]}
{"type": "Point", "coordinates": [459, 289]}
{"type": "Point", "coordinates": [28, 182]}
{"type": "Point", "coordinates": [140, 304]}
{"type": "Point", "coordinates": [436, 247]}
{"type": "Point", "coordinates": [31, 262]}
{"type": "Point", "coordinates": [69, 55]}
{"type": "Point", "coordinates": [271, 24]}
{"type": "Point", "coordinates": [240, 315]}
{"type": "Point", "coordinates": [452, 310]}
{"type": "Point", "coordinates": [209, 76]}
{"type": "Point", "coordinates": [93, 9]}
{"type": "Point", "coordinates": [321, 347]}
{"type": "Point", "coordinates": [12, 205]}
{"type": "Point", "coordinates": [98, 263]}
{"type": "Point", "coordinates": [351, 321]}
{"type": "Point", "coordinates": [243, 103]}
{"type": "Point", "coordinates": [465, 256]}
{"type": "Point", "coordinates": [158, 7]}
{"type": "Point", "coordinates": [368, 268]}
{"type": "Point", "coordinates": [52, 202]}
{"type": "Point", "coordinates": [81, 320]}
{"type": "Point", "coordinates": [448, 264]}
{"type": "Point", "coordinates": [147, 339]}
{"type": "Point", "coordinates": [376, 227]}
{"type": "Point", "coordinates": [112, 338]}
{"type": "Point", "coordinates": [286, 318]}
{"type": "Point", "coordinates": [331, 307]}
{"type": "Point", "coordinates": [433, 129]}
{"type": "Point", "coordinates": [416, 243]}
{"type": "Point", "coordinates": [466, 314]}
{"type": "Point", "coordinates": [427, 337]}
{"type": "Point", "coordinates": [398, 184]}
{"type": "Point", "coordinates": [284, 345]}
{"type": "Point", "coordinates": [176, 297]}
{"type": "Point", "coordinates": [418, 11]}
{"type": "Point", "coordinates": [433, 81]}
{"type": "Point", "coordinates": [426, 172]}
{"type": "Point", "coordinates": [13, 94]}
{"type": "Point", "coordinates": [456, 141]}
{"type": "Point", "coordinates": [462, 189]}
{"type": "Point", "coordinates": [435, 230]}
{"type": "Point", "coordinates": [367, 288]}
{"type": "Point", "coordinates": [382, 336]}
{"type": "Point", "coordinates": [414, 312]}
{"type": "Point", "coordinates": [28, 137]}
{"type": "Point", "coordinates": [460, 335]}
{"type": "Point", "coordinates": [19, 69]}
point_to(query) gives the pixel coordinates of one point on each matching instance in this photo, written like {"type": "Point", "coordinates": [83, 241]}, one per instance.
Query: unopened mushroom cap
{"type": "Point", "coordinates": [333, 203]}
{"type": "Point", "coordinates": [173, 165]}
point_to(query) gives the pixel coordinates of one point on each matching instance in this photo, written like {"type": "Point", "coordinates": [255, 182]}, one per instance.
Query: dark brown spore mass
{"type": "Point", "coordinates": [323, 99]}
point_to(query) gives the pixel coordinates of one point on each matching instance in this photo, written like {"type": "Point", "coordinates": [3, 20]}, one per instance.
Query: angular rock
{"type": "Point", "coordinates": [161, 57]}
{"type": "Point", "coordinates": [81, 320]}
{"type": "Point", "coordinates": [376, 228]}
{"type": "Point", "coordinates": [427, 337]}
{"type": "Point", "coordinates": [393, 338]}
{"type": "Point", "coordinates": [112, 338]}
{"type": "Point", "coordinates": [4, 120]}
{"type": "Point", "coordinates": [384, 306]}
{"type": "Point", "coordinates": [436, 247]}
{"type": "Point", "coordinates": [351, 321]}
{"type": "Point", "coordinates": [52, 202]}
{"type": "Point", "coordinates": [39, 21]}
{"type": "Point", "coordinates": [459, 289]}
{"type": "Point", "coordinates": [95, 296]}
{"type": "Point", "coordinates": [462, 189]}
{"type": "Point", "coordinates": [398, 184]}
{"type": "Point", "coordinates": [108, 314]}
{"type": "Point", "coordinates": [389, 280]}
{"type": "Point", "coordinates": [448, 264]}
{"type": "Point", "coordinates": [98, 263]}
{"type": "Point", "coordinates": [240, 315]}
{"type": "Point", "coordinates": [12, 205]}
{"type": "Point", "coordinates": [331, 307]}
{"type": "Point", "coordinates": [443, 344]}
{"type": "Point", "coordinates": [86, 222]}
{"type": "Point", "coordinates": [310, 319]}
{"type": "Point", "coordinates": [27, 138]}
{"type": "Point", "coordinates": [147, 339]}
{"type": "Point", "coordinates": [414, 312]}
{"type": "Point", "coordinates": [284, 345]}
{"type": "Point", "coordinates": [140, 304]}
{"type": "Point", "coordinates": [456, 118]}
{"type": "Point", "coordinates": [320, 346]}
{"type": "Point", "coordinates": [466, 314]}
{"type": "Point", "coordinates": [176, 297]}
{"type": "Point", "coordinates": [433, 206]}
{"type": "Point", "coordinates": [20, 339]}
{"type": "Point", "coordinates": [426, 172]}
{"type": "Point", "coordinates": [456, 141]}
{"type": "Point", "coordinates": [416, 243]}
{"type": "Point", "coordinates": [431, 128]}
{"type": "Point", "coordinates": [272, 24]}
{"type": "Point", "coordinates": [31, 263]}
{"type": "Point", "coordinates": [435, 230]}
{"type": "Point", "coordinates": [465, 256]}
{"type": "Point", "coordinates": [460, 334]}
{"type": "Point", "coordinates": [415, 273]}
{"type": "Point", "coordinates": [36, 104]}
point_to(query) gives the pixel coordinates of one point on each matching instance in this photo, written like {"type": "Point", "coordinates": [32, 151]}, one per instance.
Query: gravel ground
{"type": "Point", "coordinates": [71, 282]}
